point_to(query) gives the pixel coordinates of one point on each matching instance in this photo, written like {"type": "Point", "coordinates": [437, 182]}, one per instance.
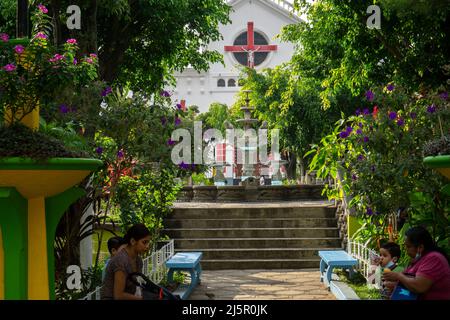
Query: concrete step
{"type": "Point", "coordinates": [218, 243]}
{"type": "Point", "coordinates": [250, 223]}
{"type": "Point", "coordinates": [260, 264]}
{"type": "Point", "coordinates": [253, 212]}
{"type": "Point", "coordinates": [259, 253]}
{"type": "Point", "coordinates": [252, 233]}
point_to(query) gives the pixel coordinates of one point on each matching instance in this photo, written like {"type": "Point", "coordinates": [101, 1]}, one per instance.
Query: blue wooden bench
{"type": "Point", "coordinates": [335, 259]}
{"type": "Point", "coordinates": [185, 261]}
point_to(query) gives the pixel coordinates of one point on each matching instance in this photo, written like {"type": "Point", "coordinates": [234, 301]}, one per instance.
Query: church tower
{"type": "Point", "coordinates": [249, 40]}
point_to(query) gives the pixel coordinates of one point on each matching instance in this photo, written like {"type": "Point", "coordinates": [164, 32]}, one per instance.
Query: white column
{"type": "Point", "coordinates": [86, 243]}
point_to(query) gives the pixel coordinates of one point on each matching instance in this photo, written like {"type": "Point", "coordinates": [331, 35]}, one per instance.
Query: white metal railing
{"type": "Point", "coordinates": [153, 267]}
{"type": "Point", "coordinates": [366, 265]}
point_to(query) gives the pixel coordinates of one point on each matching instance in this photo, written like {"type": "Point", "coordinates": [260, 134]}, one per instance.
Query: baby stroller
{"type": "Point", "coordinates": [150, 290]}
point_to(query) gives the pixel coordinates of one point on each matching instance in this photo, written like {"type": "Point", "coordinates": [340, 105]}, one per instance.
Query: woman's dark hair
{"type": "Point", "coordinates": [392, 248]}
{"type": "Point", "coordinates": [136, 232]}
{"type": "Point", "coordinates": [420, 236]}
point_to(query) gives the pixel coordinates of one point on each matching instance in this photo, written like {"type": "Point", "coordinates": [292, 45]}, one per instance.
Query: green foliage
{"type": "Point", "coordinates": [199, 179]}
{"type": "Point", "coordinates": [216, 117]}
{"type": "Point", "coordinates": [146, 198]}
{"type": "Point", "coordinates": [7, 16]}
{"type": "Point", "coordinates": [378, 160]}
{"type": "Point", "coordinates": [359, 284]}
{"type": "Point", "coordinates": [335, 46]}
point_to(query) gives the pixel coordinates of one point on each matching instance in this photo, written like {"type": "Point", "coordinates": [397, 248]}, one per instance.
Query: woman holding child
{"type": "Point", "coordinates": [428, 273]}
{"type": "Point", "coordinates": [116, 284]}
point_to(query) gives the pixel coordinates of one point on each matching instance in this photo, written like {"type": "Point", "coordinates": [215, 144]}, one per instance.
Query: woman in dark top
{"type": "Point", "coordinates": [116, 284]}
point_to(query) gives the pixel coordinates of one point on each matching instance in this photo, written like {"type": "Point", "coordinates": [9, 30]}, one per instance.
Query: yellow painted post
{"type": "Point", "coordinates": [31, 120]}
{"type": "Point", "coordinates": [352, 225]}
{"type": "Point", "coordinates": [2, 268]}
{"type": "Point", "coordinates": [37, 251]}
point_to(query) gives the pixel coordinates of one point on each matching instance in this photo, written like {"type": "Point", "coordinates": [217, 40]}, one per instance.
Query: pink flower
{"type": "Point", "coordinates": [56, 58]}
{"type": "Point", "coordinates": [93, 55]}
{"type": "Point", "coordinates": [71, 41]}
{"type": "Point", "coordinates": [75, 61]}
{"type": "Point", "coordinates": [4, 37]}
{"type": "Point", "coordinates": [42, 8]}
{"type": "Point", "coordinates": [41, 35]}
{"type": "Point", "coordinates": [9, 67]}
{"type": "Point", "coordinates": [19, 49]}
{"type": "Point", "coordinates": [89, 60]}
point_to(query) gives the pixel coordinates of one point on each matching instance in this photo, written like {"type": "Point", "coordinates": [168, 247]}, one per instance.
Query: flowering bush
{"type": "Point", "coordinates": [378, 153]}
{"type": "Point", "coordinates": [34, 72]}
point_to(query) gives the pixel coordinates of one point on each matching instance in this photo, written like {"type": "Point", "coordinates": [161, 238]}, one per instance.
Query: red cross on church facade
{"type": "Point", "coordinates": [251, 48]}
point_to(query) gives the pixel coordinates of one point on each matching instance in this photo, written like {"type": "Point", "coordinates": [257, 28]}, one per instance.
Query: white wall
{"type": "Point", "coordinates": [201, 89]}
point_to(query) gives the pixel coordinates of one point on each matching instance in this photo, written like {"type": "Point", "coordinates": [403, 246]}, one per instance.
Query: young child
{"type": "Point", "coordinates": [115, 244]}
{"type": "Point", "coordinates": [389, 255]}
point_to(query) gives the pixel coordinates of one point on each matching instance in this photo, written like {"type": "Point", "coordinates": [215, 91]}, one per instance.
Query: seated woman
{"type": "Point", "coordinates": [116, 285]}
{"type": "Point", "coordinates": [428, 273]}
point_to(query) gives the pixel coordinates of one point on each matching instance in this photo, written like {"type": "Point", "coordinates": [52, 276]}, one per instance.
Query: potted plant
{"type": "Point", "coordinates": [437, 154]}
{"type": "Point", "coordinates": [37, 173]}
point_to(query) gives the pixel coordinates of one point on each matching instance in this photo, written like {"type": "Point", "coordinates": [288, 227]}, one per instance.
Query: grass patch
{"type": "Point", "coordinates": [359, 285]}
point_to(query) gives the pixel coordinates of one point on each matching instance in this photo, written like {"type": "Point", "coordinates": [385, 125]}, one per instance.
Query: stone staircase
{"type": "Point", "coordinates": [279, 235]}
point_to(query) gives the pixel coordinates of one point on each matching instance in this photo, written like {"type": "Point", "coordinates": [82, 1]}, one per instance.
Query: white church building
{"type": "Point", "coordinates": [249, 40]}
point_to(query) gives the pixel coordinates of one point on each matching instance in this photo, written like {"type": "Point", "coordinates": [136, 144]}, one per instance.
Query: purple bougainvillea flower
{"type": "Point", "coordinates": [179, 106]}
{"type": "Point", "coordinates": [360, 125]}
{"type": "Point", "coordinates": [390, 87]}
{"type": "Point", "coordinates": [400, 122]}
{"type": "Point", "coordinates": [163, 121]}
{"type": "Point", "coordinates": [413, 115]}
{"type": "Point", "coordinates": [19, 49]}
{"type": "Point", "coordinates": [42, 8]}
{"type": "Point", "coordinates": [63, 109]}
{"type": "Point", "coordinates": [431, 109]}
{"type": "Point", "coordinates": [444, 95]}
{"type": "Point", "coordinates": [41, 35]}
{"type": "Point", "coordinates": [75, 61]}
{"type": "Point", "coordinates": [193, 166]}
{"type": "Point", "coordinates": [359, 131]}
{"type": "Point", "coordinates": [369, 211]}
{"type": "Point", "coordinates": [349, 130]}
{"type": "Point", "coordinates": [343, 134]}
{"type": "Point", "coordinates": [177, 121]}
{"type": "Point", "coordinates": [366, 139]}
{"type": "Point", "coordinates": [9, 67]}
{"type": "Point", "coordinates": [360, 157]}
{"type": "Point", "coordinates": [358, 112]}
{"type": "Point", "coordinates": [370, 95]}
{"type": "Point", "coordinates": [99, 150]}
{"type": "Point", "coordinates": [183, 165]}
{"type": "Point", "coordinates": [165, 93]}
{"type": "Point", "coordinates": [366, 112]}
{"type": "Point", "coordinates": [120, 154]}
{"type": "Point", "coordinates": [106, 91]}
{"type": "Point", "coordinates": [354, 177]}
{"type": "Point", "coordinates": [170, 142]}
{"type": "Point", "coordinates": [4, 37]}
{"type": "Point", "coordinates": [71, 41]}
{"type": "Point", "coordinates": [392, 115]}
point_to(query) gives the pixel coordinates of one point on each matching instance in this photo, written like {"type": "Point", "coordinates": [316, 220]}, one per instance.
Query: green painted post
{"type": "Point", "coordinates": [14, 224]}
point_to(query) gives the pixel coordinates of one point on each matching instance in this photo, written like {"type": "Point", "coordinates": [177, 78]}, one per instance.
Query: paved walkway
{"type": "Point", "coordinates": [261, 285]}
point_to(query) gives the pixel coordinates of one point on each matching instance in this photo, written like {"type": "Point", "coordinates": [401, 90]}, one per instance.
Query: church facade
{"type": "Point", "coordinates": [249, 40]}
